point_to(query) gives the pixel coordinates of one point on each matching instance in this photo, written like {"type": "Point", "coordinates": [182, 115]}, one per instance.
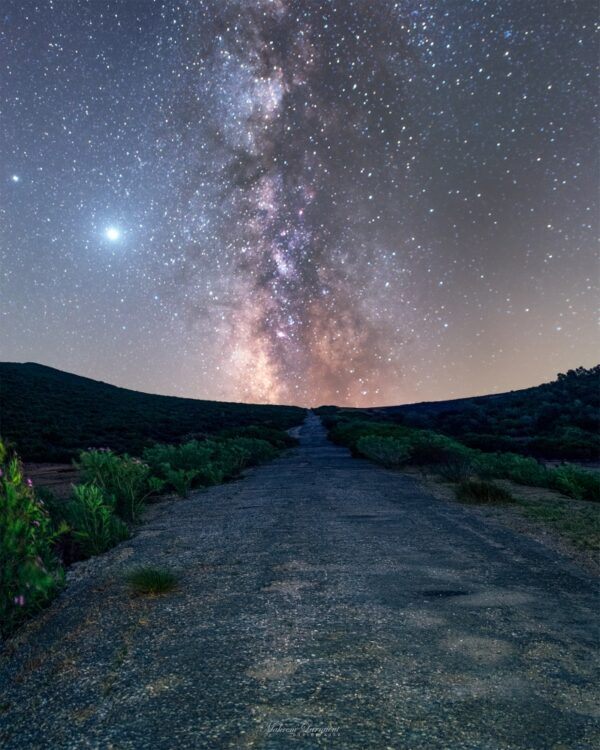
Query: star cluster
{"type": "Point", "coordinates": [298, 201]}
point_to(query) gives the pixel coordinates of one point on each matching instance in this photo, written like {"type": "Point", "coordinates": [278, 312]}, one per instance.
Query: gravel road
{"type": "Point", "coordinates": [323, 602]}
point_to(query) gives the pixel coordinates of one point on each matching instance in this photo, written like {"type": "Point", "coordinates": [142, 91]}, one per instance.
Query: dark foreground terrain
{"type": "Point", "coordinates": [323, 602]}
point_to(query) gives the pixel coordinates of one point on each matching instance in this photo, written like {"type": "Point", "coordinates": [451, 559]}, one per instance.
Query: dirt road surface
{"type": "Point", "coordinates": [324, 602]}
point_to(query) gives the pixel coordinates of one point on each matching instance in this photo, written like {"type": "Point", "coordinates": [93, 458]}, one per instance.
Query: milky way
{"type": "Point", "coordinates": [309, 202]}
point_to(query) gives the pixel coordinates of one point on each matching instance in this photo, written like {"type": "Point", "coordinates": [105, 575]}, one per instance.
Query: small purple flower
{"type": "Point", "coordinates": [19, 600]}
{"type": "Point", "coordinates": [29, 482]}
{"type": "Point", "coordinates": [36, 523]}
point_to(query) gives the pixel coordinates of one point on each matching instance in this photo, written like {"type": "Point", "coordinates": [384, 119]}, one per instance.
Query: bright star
{"type": "Point", "coordinates": [112, 233]}
{"type": "Point", "coordinates": [15, 178]}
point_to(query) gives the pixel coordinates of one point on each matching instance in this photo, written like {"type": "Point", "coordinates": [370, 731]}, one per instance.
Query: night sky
{"type": "Point", "coordinates": [351, 202]}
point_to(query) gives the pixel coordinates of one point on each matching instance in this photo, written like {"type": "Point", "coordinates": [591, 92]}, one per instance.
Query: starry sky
{"type": "Point", "coordinates": [357, 202]}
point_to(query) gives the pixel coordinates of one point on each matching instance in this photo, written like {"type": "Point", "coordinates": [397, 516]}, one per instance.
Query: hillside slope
{"type": "Point", "coordinates": [557, 420]}
{"type": "Point", "coordinates": [49, 414]}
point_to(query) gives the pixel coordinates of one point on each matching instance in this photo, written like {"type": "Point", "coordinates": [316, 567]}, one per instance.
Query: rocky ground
{"type": "Point", "coordinates": [323, 602]}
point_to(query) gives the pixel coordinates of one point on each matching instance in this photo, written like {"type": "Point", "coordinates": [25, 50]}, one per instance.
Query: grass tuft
{"type": "Point", "coordinates": [149, 580]}
{"type": "Point", "coordinates": [481, 492]}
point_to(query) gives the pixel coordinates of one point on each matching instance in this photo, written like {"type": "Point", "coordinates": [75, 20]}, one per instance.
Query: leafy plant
{"type": "Point", "coordinates": [126, 479]}
{"type": "Point", "coordinates": [237, 453]}
{"type": "Point", "coordinates": [278, 438]}
{"type": "Point", "coordinates": [482, 492]}
{"type": "Point", "coordinates": [92, 520]}
{"type": "Point", "coordinates": [429, 448]}
{"type": "Point", "coordinates": [384, 450]}
{"type": "Point", "coordinates": [206, 462]}
{"type": "Point", "coordinates": [519, 469]}
{"type": "Point", "coordinates": [150, 580]}
{"type": "Point", "coordinates": [29, 572]}
{"type": "Point", "coordinates": [575, 482]}
{"type": "Point", "coordinates": [181, 480]}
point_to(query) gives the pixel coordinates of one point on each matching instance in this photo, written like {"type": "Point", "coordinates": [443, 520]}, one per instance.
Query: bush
{"type": "Point", "coordinates": [254, 450]}
{"type": "Point", "coordinates": [181, 480]}
{"type": "Point", "coordinates": [148, 580]}
{"type": "Point", "coordinates": [193, 456]}
{"type": "Point", "coordinates": [457, 462]}
{"type": "Point", "coordinates": [127, 480]}
{"type": "Point", "coordinates": [575, 482]}
{"type": "Point", "coordinates": [384, 450]}
{"type": "Point", "coordinates": [567, 479]}
{"type": "Point", "coordinates": [481, 492]}
{"type": "Point", "coordinates": [430, 448]}
{"type": "Point", "coordinates": [29, 572]}
{"type": "Point", "coordinates": [456, 471]}
{"type": "Point", "coordinates": [92, 520]}
{"type": "Point", "coordinates": [229, 459]}
{"type": "Point", "coordinates": [278, 438]}
{"type": "Point", "coordinates": [519, 469]}
{"type": "Point", "coordinates": [207, 462]}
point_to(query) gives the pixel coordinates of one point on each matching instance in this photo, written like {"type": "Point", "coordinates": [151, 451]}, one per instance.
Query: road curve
{"type": "Point", "coordinates": [324, 602]}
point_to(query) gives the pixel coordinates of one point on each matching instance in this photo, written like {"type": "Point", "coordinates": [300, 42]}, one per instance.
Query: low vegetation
{"type": "Point", "coordinates": [151, 581]}
{"type": "Point", "coordinates": [207, 462]}
{"type": "Point", "coordinates": [479, 477]}
{"type": "Point", "coordinates": [127, 481]}
{"type": "Point", "coordinates": [580, 525]}
{"type": "Point", "coordinates": [40, 535]}
{"type": "Point", "coordinates": [480, 492]}
{"type": "Point", "coordinates": [397, 445]}
{"type": "Point", "coordinates": [92, 520]}
{"type": "Point", "coordinates": [388, 451]}
{"type": "Point", "coordinates": [30, 574]}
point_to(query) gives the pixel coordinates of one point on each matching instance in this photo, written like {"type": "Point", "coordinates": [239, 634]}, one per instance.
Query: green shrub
{"type": "Point", "coordinates": [278, 438]}
{"type": "Point", "coordinates": [567, 479]}
{"type": "Point", "coordinates": [252, 451]}
{"type": "Point", "coordinates": [230, 458]}
{"type": "Point", "coordinates": [126, 479]}
{"type": "Point", "coordinates": [149, 580]}
{"type": "Point", "coordinates": [574, 482]}
{"type": "Point", "coordinates": [456, 471]}
{"type": "Point", "coordinates": [191, 455]}
{"type": "Point", "coordinates": [181, 480]}
{"type": "Point", "coordinates": [481, 492]}
{"type": "Point", "coordinates": [457, 462]}
{"type": "Point", "coordinates": [348, 433]}
{"type": "Point", "coordinates": [384, 450]}
{"type": "Point", "coordinates": [519, 469]}
{"type": "Point", "coordinates": [92, 520]}
{"type": "Point", "coordinates": [29, 572]}
{"type": "Point", "coordinates": [207, 462]}
{"type": "Point", "coordinates": [430, 448]}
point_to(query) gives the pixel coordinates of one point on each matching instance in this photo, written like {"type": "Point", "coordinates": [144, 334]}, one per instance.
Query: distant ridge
{"type": "Point", "coordinates": [50, 415]}
{"type": "Point", "coordinates": [559, 420]}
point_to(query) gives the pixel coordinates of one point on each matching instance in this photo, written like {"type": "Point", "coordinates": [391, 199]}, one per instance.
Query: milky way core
{"type": "Point", "coordinates": [352, 202]}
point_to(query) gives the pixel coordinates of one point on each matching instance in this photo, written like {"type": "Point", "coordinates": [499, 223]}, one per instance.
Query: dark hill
{"type": "Point", "coordinates": [49, 415]}
{"type": "Point", "coordinates": [557, 420]}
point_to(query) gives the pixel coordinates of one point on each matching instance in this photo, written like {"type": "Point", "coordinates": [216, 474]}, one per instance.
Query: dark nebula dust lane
{"type": "Point", "coordinates": [295, 201]}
